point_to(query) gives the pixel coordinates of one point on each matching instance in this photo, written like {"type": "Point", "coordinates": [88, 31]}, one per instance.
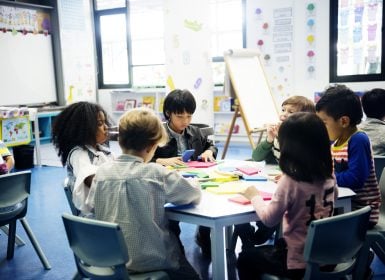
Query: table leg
{"type": "Point", "coordinates": [218, 254]}
{"type": "Point", "coordinates": [37, 141]}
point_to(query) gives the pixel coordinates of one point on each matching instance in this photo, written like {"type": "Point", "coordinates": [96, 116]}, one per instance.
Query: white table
{"type": "Point", "coordinates": [216, 212]}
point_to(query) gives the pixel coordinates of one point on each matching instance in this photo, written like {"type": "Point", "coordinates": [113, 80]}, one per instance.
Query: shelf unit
{"type": "Point", "coordinates": [124, 100]}
{"type": "Point", "coordinates": [45, 121]}
{"type": "Point", "coordinates": [222, 120]}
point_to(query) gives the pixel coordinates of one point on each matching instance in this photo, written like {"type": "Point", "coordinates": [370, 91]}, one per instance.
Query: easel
{"type": "Point", "coordinates": [237, 114]}
{"type": "Point", "coordinates": [246, 81]}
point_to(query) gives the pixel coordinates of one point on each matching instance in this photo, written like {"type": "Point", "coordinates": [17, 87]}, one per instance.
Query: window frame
{"type": "Point", "coordinates": [126, 10]}
{"type": "Point", "coordinates": [98, 43]}
{"type": "Point", "coordinates": [333, 28]}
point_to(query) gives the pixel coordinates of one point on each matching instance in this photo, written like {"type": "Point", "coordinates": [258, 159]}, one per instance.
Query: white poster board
{"type": "Point", "coordinates": [257, 105]}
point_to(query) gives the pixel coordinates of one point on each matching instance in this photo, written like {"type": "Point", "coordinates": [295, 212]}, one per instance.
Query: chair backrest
{"type": "Point", "coordinates": [96, 244]}
{"type": "Point", "coordinates": [381, 185]}
{"type": "Point", "coordinates": [379, 164]}
{"type": "Point", "coordinates": [68, 193]}
{"type": "Point", "coordinates": [204, 128]}
{"type": "Point", "coordinates": [14, 188]}
{"type": "Point", "coordinates": [335, 240]}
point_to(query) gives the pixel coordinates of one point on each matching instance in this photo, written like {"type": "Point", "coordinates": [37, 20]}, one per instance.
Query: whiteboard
{"type": "Point", "coordinates": [26, 69]}
{"type": "Point", "coordinates": [257, 105]}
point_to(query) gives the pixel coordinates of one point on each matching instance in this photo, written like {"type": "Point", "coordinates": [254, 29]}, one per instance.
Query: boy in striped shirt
{"type": "Point", "coordinates": [341, 111]}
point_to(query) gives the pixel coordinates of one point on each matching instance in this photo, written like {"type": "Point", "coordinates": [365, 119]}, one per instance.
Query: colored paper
{"type": "Point", "coordinates": [254, 178]}
{"type": "Point", "coordinates": [249, 170]}
{"type": "Point", "coordinates": [240, 199]}
{"type": "Point", "coordinates": [205, 185]}
{"type": "Point", "coordinates": [200, 164]}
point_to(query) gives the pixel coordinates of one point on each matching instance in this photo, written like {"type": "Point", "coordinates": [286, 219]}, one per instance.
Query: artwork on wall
{"type": "Point", "coordinates": [356, 32]}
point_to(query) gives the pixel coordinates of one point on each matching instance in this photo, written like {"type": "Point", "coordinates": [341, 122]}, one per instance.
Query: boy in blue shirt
{"type": "Point", "coordinates": [340, 109]}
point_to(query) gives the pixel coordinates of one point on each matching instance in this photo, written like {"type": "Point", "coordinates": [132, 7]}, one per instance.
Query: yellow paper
{"type": "Point", "coordinates": [228, 188]}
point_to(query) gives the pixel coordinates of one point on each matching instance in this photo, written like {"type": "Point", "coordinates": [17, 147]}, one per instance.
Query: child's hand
{"type": "Point", "coordinates": [207, 156]}
{"type": "Point", "coordinates": [250, 192]}
{"type": "Point", "coordinates": [3, 168]}
{"type": "Point", "coordinates": [170, 161]}
{"type": "Point", "coordinates": [272, 132]}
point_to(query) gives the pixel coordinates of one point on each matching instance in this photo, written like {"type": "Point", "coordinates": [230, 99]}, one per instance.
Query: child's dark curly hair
{"type": "Point", "coordinates": [76, 125]}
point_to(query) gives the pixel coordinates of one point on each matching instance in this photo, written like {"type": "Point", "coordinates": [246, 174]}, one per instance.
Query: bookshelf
{"type": "Point", "coordinates": [223, 115]}
{"type": "Point", "coordinates": [125, 100]}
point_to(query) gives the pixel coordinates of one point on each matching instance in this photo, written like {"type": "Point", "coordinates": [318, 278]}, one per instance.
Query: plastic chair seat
{"type": "Point", "coordinates": [14, 192]}
{"type": "Point", "coordinates": [335, 240]}
{"type": "Point", "coordinates": [100, 250]}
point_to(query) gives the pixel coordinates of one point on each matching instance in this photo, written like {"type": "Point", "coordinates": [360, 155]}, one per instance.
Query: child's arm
{"type": "Point", "coordinates": [359, 163]}
{"type": "Point", "coordinates": [263, 151]}
{"type": "Point", "coordinates": [181, 191]}
{"type": "Point", "coordinates": [210, 150]}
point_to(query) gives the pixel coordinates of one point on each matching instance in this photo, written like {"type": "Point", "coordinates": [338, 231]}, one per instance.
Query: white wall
{"type": "Point", "coordinates": [299, 81]}
{"type": "Point", "coordinates": [302, 83]}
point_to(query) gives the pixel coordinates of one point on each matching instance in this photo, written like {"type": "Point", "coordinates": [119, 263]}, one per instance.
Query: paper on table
{"type": "Point", "coordinates": [249, 170]}
{"type": "Point", "coordinates": [200, 164]}
{"type": "Point", "coordinates": [228, 188]}
{"type": "Point", "coordinates": [243, 200]}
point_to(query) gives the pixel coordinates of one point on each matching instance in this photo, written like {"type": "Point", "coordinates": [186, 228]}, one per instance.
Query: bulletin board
{"type": "Point", "coordinates": [251, 87]}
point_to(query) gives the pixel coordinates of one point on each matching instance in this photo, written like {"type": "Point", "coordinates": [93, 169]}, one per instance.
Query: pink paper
{"type": "Point", "coordinates": [200, 164]}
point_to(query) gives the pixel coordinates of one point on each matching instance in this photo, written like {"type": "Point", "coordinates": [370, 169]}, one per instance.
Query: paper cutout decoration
{"type": "Point", "coordinates": [198, 83]}
{"type": "Point", "coordinates": [170, 83]}
{"type": "Point", "coordinates": [310, 39]}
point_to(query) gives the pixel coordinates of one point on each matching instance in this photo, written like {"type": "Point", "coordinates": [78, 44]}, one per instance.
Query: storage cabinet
{"type": "Point", "coordinates": [45, 121]}
{"type": "Point", "coordinates": [124, 100]}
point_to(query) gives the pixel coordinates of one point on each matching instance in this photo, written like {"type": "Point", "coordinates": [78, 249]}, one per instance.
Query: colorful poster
{"type": "Point", "coordinates": [16, 131]}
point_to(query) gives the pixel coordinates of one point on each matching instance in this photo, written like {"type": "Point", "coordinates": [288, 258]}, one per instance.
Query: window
{"type": "Point", "coordinates": [356, 41]}
{"type": "Point", "coordinates": [228, 32]}
{"type": "Point", "coordinates": [130, 44]}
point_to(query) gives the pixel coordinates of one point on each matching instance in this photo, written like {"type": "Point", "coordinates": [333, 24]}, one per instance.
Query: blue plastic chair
{"type": "Point", "coordinates": [100, 250]}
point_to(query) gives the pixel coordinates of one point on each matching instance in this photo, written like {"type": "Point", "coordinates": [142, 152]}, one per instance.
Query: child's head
{"type": "Point", "coordinates": [305, 148]}
{"type": "Point", "coordinates": [295, 104]}
{"type": "Point", "coordinates": [178, 108]}
{"type": "Point", "coordinates": [373, 103]}
{"type": "Point", "coordinates": [139, 130]}
{"type": "Point", "coordinates": [340, 109]}
{"type": "Point", "coordinates": [79, 124]}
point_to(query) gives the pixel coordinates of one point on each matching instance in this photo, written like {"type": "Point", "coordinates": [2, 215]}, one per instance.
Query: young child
{"type": "Point", "coordinates": [78, 134]}
{"type": "Point", "coordinates": [132, 192]}
{"type": "Point", "coordinates": [178, 109]}
{"type": "Point", "coordinates": [268, 149]}
{"type": "Point", "coordinates": [6, 159]}
{"type": "Point", "coordinates": [305, 192]}
{"type": "Point", "coordinates": [340, 109]}
{"type": "Point", "coordinates": [373, 103]}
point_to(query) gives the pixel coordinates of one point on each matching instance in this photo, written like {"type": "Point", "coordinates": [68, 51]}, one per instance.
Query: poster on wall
{"type": "Point", "coordinates": [270, 30]}
{"type": "Point", "coordinates": [188, 64]}
{"type": "Point", "coordinates": [79, 69]}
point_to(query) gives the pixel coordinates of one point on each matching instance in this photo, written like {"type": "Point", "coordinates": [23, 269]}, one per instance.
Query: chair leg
{"type": "Point", "coordinates": [11, 240]}
{"type": "Point", "coordinates": [35, 244]}
{"type": "Point", "coordinates": [18, 240]}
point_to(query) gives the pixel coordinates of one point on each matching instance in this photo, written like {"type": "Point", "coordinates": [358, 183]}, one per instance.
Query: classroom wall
{"type": "Point", "coordinates": [293, 77]}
